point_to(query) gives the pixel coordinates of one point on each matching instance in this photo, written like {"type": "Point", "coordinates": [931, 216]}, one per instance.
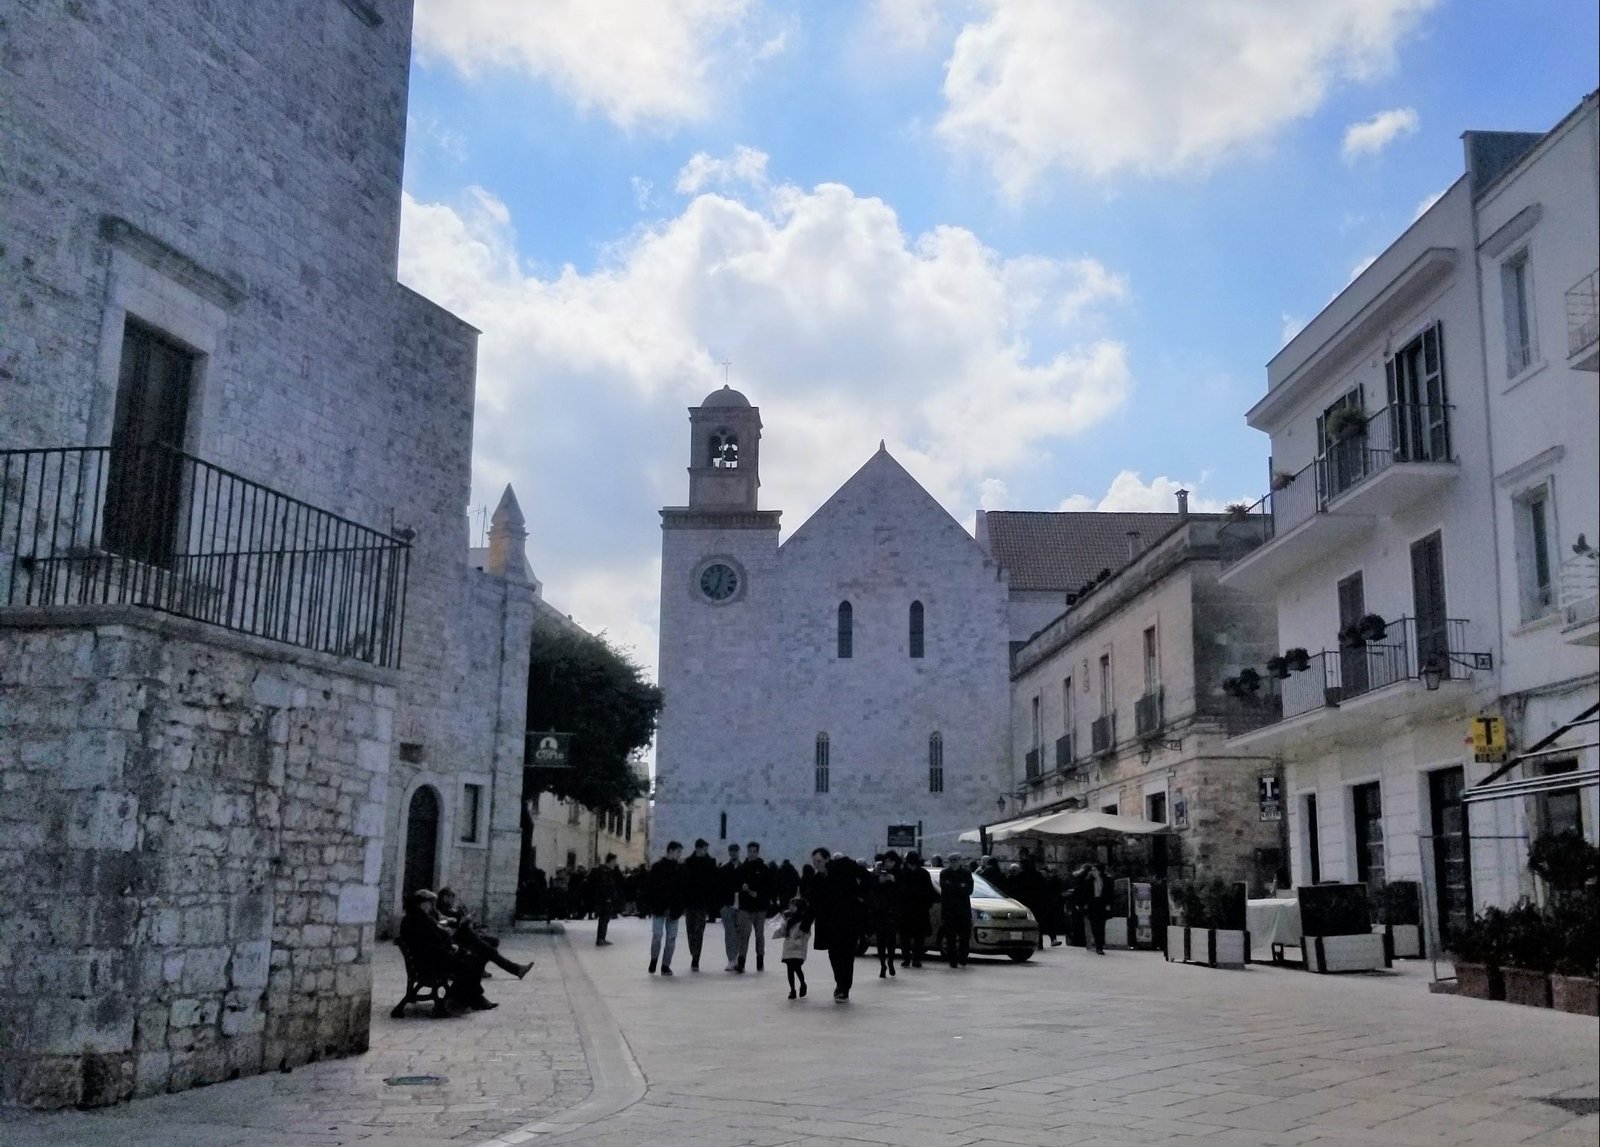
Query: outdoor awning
{"type": "Point", "coordinates": [1071, 822]}
{"type": "Point", "coordinates": [1005, 830]}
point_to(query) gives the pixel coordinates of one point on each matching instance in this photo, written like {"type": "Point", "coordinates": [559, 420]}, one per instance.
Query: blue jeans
{"type": "Point", "coordinates": [669, 926]}
{"type": "Point", "coordinates": [730, 932]}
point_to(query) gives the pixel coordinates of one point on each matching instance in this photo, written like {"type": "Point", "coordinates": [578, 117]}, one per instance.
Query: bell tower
{"type": "Point", "coordinates": [724, 452]}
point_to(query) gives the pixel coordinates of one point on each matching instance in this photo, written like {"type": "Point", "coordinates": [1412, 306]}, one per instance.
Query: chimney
{"type": "Point", "coordinates": [1133, 544]}
{"type": "Point", "coordinates": [1183, 503]}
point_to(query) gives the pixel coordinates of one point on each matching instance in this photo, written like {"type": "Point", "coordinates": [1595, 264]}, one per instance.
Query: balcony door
{"type": "Point", "coordinates": [1367, 806]}
{"type": "Point", "coordinates": [1427, 590]}
{"type": "Point", "coordinates": [1418, 403]}
{"type": "Point", "coordinates": [1353, 673]}
{"type": "Point", "coordinates": [142, 478]}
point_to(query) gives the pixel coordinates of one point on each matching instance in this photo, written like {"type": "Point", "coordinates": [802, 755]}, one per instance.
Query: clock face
{"type": "Point", "coordinates": [719, 581]}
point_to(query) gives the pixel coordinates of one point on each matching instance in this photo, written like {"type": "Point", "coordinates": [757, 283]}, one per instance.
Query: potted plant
{"type": "Point", "coordinates": [1565, 861]}
{"type": "Point", "coordinates": [1372, 628]}
{"type": "Point", "coordinates": [1212, 931]}
{"type": "Point", "coordinates": [1249, 681]}
{"type": "Point", "coordinates": [1480, 952]}
{"type": "Point", "coordinates": [1528, 956]}
{"type": "Point", "coordinates": [1282, 479]}
{"type": "Point", "coordinates": [1278, 667]}
{"type": "Point", "coordinates": [1345, 423]}
{"type": "Point", "coordinates": [1237, 511]}
{"type": "Point", "coordinates": [1575, 981]}
{"type": "Point", "coordinates": [1350, 637]}
{"type": "Point", "coordinates": [1398, 911]}
{"type": "Point", "coordinates": [1297, 659]}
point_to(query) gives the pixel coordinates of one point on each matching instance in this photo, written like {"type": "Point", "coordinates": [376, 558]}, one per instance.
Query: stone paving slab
{"type": "Point", "coordinates": [505, 1068]}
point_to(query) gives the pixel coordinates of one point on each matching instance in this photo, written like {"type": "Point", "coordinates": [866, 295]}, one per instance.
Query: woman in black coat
{"type": "Point", "coordinates": [836, 903]}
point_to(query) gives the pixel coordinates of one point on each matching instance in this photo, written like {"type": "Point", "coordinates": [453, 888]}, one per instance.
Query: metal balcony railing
{"type": "Point", "coordinates": [1580, 588]}
{"type": "Point", "coordinates": [1064, 758]}
{"type": "Point", "coordinates": [1103, 734]}
{"type": "Point", "coordinates": [1147, 714]}
{"type": "Point", "coordinates": [1030, 764]}
{"type": "Point", "coordinates": [1583, 315]}
{"type": "Point", "coordinates": [163, 530]}
{"type": "Point", "coordinates": [1399, 432]}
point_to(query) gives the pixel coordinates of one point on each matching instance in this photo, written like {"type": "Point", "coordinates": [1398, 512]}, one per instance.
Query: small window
{"type": "Point", "coordinates": [471, 813]}
{"type": "Point", "coordinates": [627, 825]}
{"type": "Point", "coordinates": [1560, 810]}
{"type": "Point", "coordinates": [724, 451]}
{"type": "Point", "coordinates": [722, 827]}
{"type": "Point", "coordinates": [936, 763]}
{"type": "Point", "coordinates": [1516, 294]}
{"type": "Point", "coordinates": [846, 630]}
{"type": "Point", "coordinates": [1155, 807]}
{"type": "Point", "coordinates": [1531, 538]}
{"type": "Point", "coordinates": [821, 777]}
{"type": "Point", "coordinates": [1152, 662]}
{"type": "Point", "coordinates": [1066, 705]}
{"type": "Point", "coordinates": [1109, 809]}
{"type": "Point", "coordinates": [574, 811]}
{"type": "Point", "coordinates": [1105, 684]}
{"type": "Point", "coordinates": [916, 629]}
{"type": "Point", "coordinates": [1037, 728]}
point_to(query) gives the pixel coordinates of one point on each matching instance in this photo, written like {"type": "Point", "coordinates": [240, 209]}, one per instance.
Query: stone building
{"type": "Point", "coordinates": [821, 690]}
{"type": "Point", "coordinates": [236, 622]}
{"type": "Point", "coordinates": [1118, 704]}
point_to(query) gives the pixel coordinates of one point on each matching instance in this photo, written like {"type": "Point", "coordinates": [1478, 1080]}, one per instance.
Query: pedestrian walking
{"type": "Point", "coordinates": [955, 912]}
{"type": "Point", "coordinates": [794, 929]}
{"type": "Point", "coordinates": [785, 883]}
{"type": "Point", "coordinates": [728, 905]}
{"type": "Point", "coordinates": [1094, 896]}
{"type": "Point", "coordinates": [699, 897]}
{"type": "Point", "coordinates": [754, 900]}
{"type": "Point", "coordinates": [837, 911]}
{"type": "Point", "coordinates": [916, 897]}
{"type": "Point", "coordinates": [605, 886]}
{"type": "Point", "coordinates": [884, 901]}
{"type": "Point", "coordinates": [664, 891]}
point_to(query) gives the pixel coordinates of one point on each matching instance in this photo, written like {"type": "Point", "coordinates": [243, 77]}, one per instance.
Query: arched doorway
{"type": "Point", "coordinates": [422, 840]}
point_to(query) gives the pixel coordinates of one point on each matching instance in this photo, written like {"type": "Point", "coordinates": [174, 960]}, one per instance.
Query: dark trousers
{"type": "Point", "coordinates": [911, 945]}
{"type": "Point", "coordinates": [842, 958]}
{"type": "Point", "coordinates": [797, 974]}
{"type": "Point", "coordinates": [694, 923]}
{"type": "Point", "coordinates": [483, 949]}
{"type": "Point", "coordinates": [1097, 928]}
{"type": "Point", "coordinates": [888, 936]}
{"type": "Point", "coordinates": [955, 936]}
{"type": "Point", "coordinates": [604, 914]}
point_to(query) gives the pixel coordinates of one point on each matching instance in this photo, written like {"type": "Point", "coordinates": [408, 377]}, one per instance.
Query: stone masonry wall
{"type": "Point", "coordinates": [189, 857]}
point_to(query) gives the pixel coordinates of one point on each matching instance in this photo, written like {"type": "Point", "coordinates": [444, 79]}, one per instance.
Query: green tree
{"type": "Point", "coordinates": [584, 685]}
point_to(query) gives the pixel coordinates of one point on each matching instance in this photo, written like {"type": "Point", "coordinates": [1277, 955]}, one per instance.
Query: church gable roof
{"type": "Point", "coordinates": [886, 487]}
{"type": "Point", "coordinates": [1060, 551]}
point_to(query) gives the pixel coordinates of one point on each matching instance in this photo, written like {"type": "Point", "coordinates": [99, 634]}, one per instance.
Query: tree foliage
{"type": "Point", "coordinates": [583, 685]}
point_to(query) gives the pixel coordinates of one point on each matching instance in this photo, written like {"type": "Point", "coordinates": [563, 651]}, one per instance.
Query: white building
{"type": "Point", "coordinates": [819, 691]}
{"type": "Point", "coordinates": [1381, 539]}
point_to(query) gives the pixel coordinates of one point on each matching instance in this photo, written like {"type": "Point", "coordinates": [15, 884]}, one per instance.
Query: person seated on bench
{"type": "Point", "coordinates": [467, 937]}
{"type": "Point", "coordinates": [427, 939]}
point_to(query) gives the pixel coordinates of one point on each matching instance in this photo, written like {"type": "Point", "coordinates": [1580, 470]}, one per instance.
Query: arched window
{"type": "Point", "coordinates": [936, 763]}
{"type": "Point", "coordinates": [724, 451]}
{"type": "Point", "coordinates": [916, 629]}
{"type": "Point", "coordinates": [822, 763]}
{"type": "Point", "coordinates": [846, 629]}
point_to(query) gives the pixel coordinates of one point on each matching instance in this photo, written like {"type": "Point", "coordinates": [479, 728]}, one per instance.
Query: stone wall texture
{"type": "Point", "coordinates": [189, 857]}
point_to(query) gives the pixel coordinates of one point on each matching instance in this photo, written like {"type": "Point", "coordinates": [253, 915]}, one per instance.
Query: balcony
{"type": "Point", "coordinates": [1402, 672]}
{"type": "Point", "coordinates": [1103, 734]}
{"type": "Point", "coordinates": [1147, 716]}
{"type": "Point", "coordinates": [1580, 598]}
{"type": "Point", "coordinates": [1382, 462]}
{"type": "Point", "coordinates": [1030, 764]}
{"type": "Point", "coordinates": [155, 528]}
{"type": "Point", "coordinates": [1064, 757]}
{"type": "Point", "coordinates": [1583, 323]}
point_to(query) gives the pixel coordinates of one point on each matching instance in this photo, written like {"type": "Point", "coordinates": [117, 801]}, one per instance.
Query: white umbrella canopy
{"type": "Point", "coordinates": [1005, 830]}
{"type": "Point", "coordinates": [1080, 822]}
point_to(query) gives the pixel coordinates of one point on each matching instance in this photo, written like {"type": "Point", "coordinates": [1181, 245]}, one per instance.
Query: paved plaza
{"type": "Point", "coordinates": [1069, 1049]}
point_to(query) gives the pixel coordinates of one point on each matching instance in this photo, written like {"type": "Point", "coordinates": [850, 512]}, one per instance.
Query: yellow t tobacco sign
{"type": "Point", "coordinates": [1489, 739]}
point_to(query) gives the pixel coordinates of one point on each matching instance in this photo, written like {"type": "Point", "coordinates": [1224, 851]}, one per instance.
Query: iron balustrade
{"type": "Point", "coordinates": [160, 529]}
{"type": "Point", "coordinates": [1296, 499]}
{"type": "Point", "coordinates": [1583, 314]}
{"type": "Point", "coordinates": [1399, 432]}
{"type": "Point", "coordinates": [1580, 587]}
{"type": "Point", "coordinates": [1147, 714]}
{"type": "Point", "coordinates": [1064, 753]}
{"type": "Point", "coordinates": [1103, 734]}
{"type": "Point", "coordinates": [1030, 764]}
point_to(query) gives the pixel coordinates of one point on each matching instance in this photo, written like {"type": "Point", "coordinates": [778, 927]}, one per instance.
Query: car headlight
{"type": "Point", "coordinates": [979, 914]}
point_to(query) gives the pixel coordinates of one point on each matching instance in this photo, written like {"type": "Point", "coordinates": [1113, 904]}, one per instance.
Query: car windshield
{"type": "Point", "coordinates": [981, 888]}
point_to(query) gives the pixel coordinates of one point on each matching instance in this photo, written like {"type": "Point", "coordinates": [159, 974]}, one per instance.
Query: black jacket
{"type": "Point", "coordinates": [917, 896]}
{"type": "Point", "coordinates": [955, 891]}
{"type": "Point", "coordinates": [785, 885]}
{"type": "Point", "coordinates": [755, 886]}
{"type": "Point", "coordinates": [728, 883]}
{"type": "Point", "coordinates": [425, 938]}
{"type": "Point", "coordinates": [701, 883]}
{"type": "Point", "coordinates": [838, 904]}
{"type": "Point", "coordinates": [605, 888]}
{"type": "Point", "coordinates": [663, 889]}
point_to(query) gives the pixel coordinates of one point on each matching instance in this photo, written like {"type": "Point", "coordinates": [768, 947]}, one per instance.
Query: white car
{"type": "Point", "coordinates": [1001, 926]}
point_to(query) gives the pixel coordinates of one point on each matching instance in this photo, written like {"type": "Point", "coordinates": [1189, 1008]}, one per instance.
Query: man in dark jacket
{"type": "Point", "coordinates": [754, 898]}
{"type": "Point", "coordinates": [837, 886]}
{"type": "Point", "coordinates": [955, 912]}
{"type": "Point", "coordinates": [916, 896]}
{"type": "Point", "coordinates": [699, 897]}
{"type": "Point", "coordinates": [727, 904]}
{"type": "Point", "coordinates": [426, 938]}
{"type": "Point", "coordinates": [1094, 899]}
{"type": "Point", "coordinates": [605, 886]}
{"type": "Point", "coordinates": [664, 892]}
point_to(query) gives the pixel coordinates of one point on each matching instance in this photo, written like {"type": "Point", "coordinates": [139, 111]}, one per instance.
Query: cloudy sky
{"type": "Point", "coordinates": [1044, 248]}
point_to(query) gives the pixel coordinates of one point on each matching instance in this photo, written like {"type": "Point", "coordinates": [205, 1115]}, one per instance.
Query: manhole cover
{"type": "Point", "coordinates": [415, 1080]}
{"type": "Point", "coordinates": [1578, 1105]}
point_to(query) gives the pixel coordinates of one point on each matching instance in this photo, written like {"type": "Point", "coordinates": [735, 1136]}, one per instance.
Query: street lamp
{"type": "Point", "coordinates": [1432, 673]}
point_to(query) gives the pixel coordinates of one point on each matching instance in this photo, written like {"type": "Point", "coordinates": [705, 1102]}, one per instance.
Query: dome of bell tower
{"type": "Point", "coordinates": [727, 396]}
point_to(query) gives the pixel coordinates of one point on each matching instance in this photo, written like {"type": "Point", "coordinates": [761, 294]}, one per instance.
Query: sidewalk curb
{"type": "Point", "coordinates": [618, 1081]}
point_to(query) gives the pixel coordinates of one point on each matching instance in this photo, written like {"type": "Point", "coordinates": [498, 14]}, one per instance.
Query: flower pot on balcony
{"type": "Point", "coordinates": [1282, 480]}
{"type": "Point", "coordinates": [1480, 982]}
{"type": "Point", "coordinates": [1579, 995]}
{"type": "Point", "coordinates": [1527, 986]}
{"type": "Point", "coordinates": [1278, 667]}
{"type": "Point", "coordinates": [1346, 423]}
{"type": "Point", "coordinates": [1297, 659]}
{"type": "Point", "coordinates": [1372, 628]}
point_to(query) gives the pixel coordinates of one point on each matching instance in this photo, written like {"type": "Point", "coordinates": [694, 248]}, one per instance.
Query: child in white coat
{"type": "Point", "coordinates": [794, 929]}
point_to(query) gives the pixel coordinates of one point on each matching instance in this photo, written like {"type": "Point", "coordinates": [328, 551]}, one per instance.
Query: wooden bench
{"type": "Point", "coordinates": [424, 982]}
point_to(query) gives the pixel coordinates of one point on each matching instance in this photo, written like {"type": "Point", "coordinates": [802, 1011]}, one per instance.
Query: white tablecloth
{"type": "Point", "coordinates": [1273, 922]}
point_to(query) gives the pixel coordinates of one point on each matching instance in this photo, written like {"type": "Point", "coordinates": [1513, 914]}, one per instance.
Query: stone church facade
{"type": "Point", "coordinates": [822, 688]}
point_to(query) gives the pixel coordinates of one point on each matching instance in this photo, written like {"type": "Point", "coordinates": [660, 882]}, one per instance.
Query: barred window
{"type": "Point", "coordinates": [936, 763]}
{"type": "Point", "coordinates": [822, 763]}
{"type": "Point", "coordinates": [916, 629]}
{"type": "Point", "coordinates": [846, 630]}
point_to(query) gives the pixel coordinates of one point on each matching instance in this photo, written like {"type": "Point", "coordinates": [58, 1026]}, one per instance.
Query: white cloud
{"type": "Point", "coordinates": [1371, 136]}
{"type": "Point", "coordinates": [1159, 495]}
{"type": "Point", "coordinates": [1159, 87]}
{"type": "Point", "coordinates": [842, 327]}
{"type": "Point", "coordinates": [906, 25]}
{"type": "Point", "coordinates": [746, 165]}
{"type": "Point", "coordinates": [992, 494]}
{"type": "Point", "coordinates": [636, 62]}
{"type": "Point", "coordinates": [642, 189]}
{"type": "Point", "coordinates": [1427, 202]}
{"type": "Point", "coordinates": [1292, 325]}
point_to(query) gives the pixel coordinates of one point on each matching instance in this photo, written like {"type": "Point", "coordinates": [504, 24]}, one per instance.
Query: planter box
{"type": "Point", "coordinates": [1527, 987]}
{"type": "Point", "coordinates": [1576, 994]}
{"type": "Point", "coordinates": [1177, 944]}
{"type": "Point", "coordinates": [1364, 952]}
{"type": "Point", "coordinates": [1404, 941]}
{"type": "Point", "coordinates": [1480, 982]}
{"type": "Point", "coordinates": [1212, 947]}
